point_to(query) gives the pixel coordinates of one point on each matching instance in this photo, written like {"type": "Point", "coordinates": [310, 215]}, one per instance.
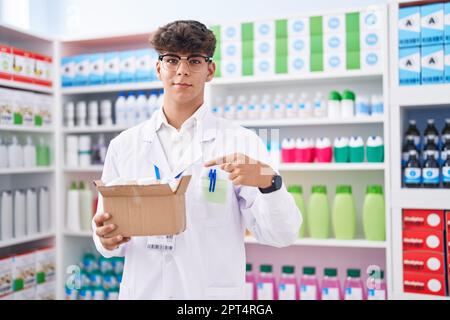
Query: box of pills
{"type": "Point", "coordinates": [423, 219]}
{"type": "Point", "coordinates": [26, 294]}
{"type": "Point", "coordinates": [96, 69]}
{"type": "Point", "coordinates": [231, 33]}
{"type": "Point", "coordinates": [432, 24]}
{"type": "Point", "coordinates": [6, 276]}
{"type": "Point", "coordinates": [447, 22]}
{"type": "Point", "coordinates": [409, 66]}
{"type": "Point", "coordinates": [127, 66]}
{"type": "Point", "coordinates": [447, 62]}
{"type": "Point", "coordinates": [42, 70]}
{"type": "Point", "coordinates": [334, 61]}
{"type": "Point", "coordinates": [371, 60]}
{"type": "Point", "coordinates": [264, 49]}
{"type": "Point", "coordinates": [23, 64]}
{"type": "Point", "coordinates": [81, 70]}
{"type": "Point", "coordinates": [424, 283]}
{"type": "Point", "coordinates": [6, 62]}
{"type": "Point", "coordinates": [422, 261]}
{"type": "Point", "coordinates": [68, 67]}
{"type": "Point", "coordinates": [334, 23]}
{"type": "Point", "coordinates": [145, 63]}
{"type": "Point", "coordinates": [264, 30]}
{"type": "Point", "coordinates": [424, 240]}
{"type": "Point", "coordinates": [298, 64]}
{"type": "Point", "coordinates": [298, 27]}
{"type": "Point", "coordinates": [46, 291]}
{"type": "Point", "coordinates": [371, 19]}
{"type": "Point", "coordinates": [45, 265]}
{"type": "Point", "coordinates": [112, 67]}
{"type": "Point", "coordinates": [298, 46]}
{"type": "Point", "coordinates": [264, 66]}
{"type": "Point", "coordinates": [231, 51]}
{"type": "Point", "coordinates": [409, 27]}
{"type": "Point", "coordinates": [231, 68]}
{"type": "Point", "coordinates": [24, 271]}
{"type": "Point", "coordinates": [371, 39]}
{"type": "Point", "coordinates": [334, 42]}
{"type": "Point", "coordinates": [432, 58]}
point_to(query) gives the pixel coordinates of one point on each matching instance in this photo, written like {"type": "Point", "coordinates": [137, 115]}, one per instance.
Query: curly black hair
{"type": "Point", "coordinates": [187, 36]}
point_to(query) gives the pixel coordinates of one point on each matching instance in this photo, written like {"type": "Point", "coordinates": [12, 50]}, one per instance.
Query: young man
{"type": "Point", "coordinates": [207, 260]}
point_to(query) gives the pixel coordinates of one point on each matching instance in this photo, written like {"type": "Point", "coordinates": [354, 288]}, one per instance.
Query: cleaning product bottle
{"type": "Point", "coordinates": [375, 149]}
{"type": "Point", "coordinates": [131, 109]}
{"type": "Point", "coordinates": [309, 285]}
{"type": "Point", "coordinates": [334, 105]}
{"type": "Point", "coordinates": [288, 150]}
{"type": "Point", "coordinates": [29, 153]}
{"type": "Point", "coordinates": [446, 172]}
{"type": "Point", "coordinates": [377, 288]}
{"type": "Point", "coordinates": [44, 210]}
{"type": "Point", "coordinates": [348, 104]}
{"type": "Point", "coordinates": [302, 150]}
{"type": "Point", "coordinates": [323, 150]}
{"type": "Point", "coordinates": [15, 153]}
{"type": "Point", "coordinates": [331, 287]}
{"type": "Point", "coordinates": [344, 213]}
{"type": "Point", "coordinates": [374, 211]}
{"type": "Point", "coordinates": [250, 283]}
{"type": "Point", "coordinates": [297, 194]}
{"type": "Point", "coordinates": [318, 213]}
{"type": "Point", "coordinates": [431, 172]}
{"type": "Point", "coordinates": [287, 287]}
{"type": "Point", "coordinates": [353, 287]}
{"type": "Point", "coordinates": [73, 208]}
{"type": "Point", "coordinates": [5, 155]}
{"type": "Point", "coordinates": [266, 284]}
{"type": "Point", "coordinates": [121, 110]}
{"type": "Point", "coordinates": [86, 213]}
{"type": "Point", "coordinates": [356, 149]}
{"type": "Point", "coordinates": [6, 218]}
{"type": "Point", "coordinates": [31, 212]}
{"type": "Point", "coordinates": [20, 219]}
{"type": "Point", "coordinates": [412, 174]}
{"type": "Point", "coordinates": [341, 149]}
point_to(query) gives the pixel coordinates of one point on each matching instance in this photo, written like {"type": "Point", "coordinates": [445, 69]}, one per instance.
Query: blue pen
{"type": "Point", "coordinates": [158, 177]}
{"type": "Point", "coordinates": [210, 180]}
{"type": "Point", "coordinates": [214, 180]}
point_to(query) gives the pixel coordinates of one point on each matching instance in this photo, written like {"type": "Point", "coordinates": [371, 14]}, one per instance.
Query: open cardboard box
{"type": "Point", "coordinates": [145, 210]}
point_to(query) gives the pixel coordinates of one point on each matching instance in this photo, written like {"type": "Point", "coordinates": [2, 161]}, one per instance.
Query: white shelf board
{"type": "Point", "coordinates": [424, 95]}
{"type": "Point", "coordinates": [423, 198]}
{"type": "Point", "coordinates": [19, 34]}
{"type": "Point", "coordinates": [356, 75]}
{"type": "Point", "coordinates": [24, 170]}
{"type": "Point", "coordinates": [364, 166]}
{"type": "Point", "coordinates": [132, 86]}
{"type": "Point", "coordinates": [25, 86]}
{"type": "Point", "coordinates": [418, 296]}
{"type": "Point", "coordinates": [96, 129]}
{"type": "Point", "coordinates": [308, 122]}
{"type": "Point", "coordinates": [78, 234]}
{"type": "Point", "coordinates": [331, 243]}
{"type": "Point", "coordinates": [93, 168]}
{"type": "Point", "coordinates": [36, 237]}
{"type": "Point", "coordinates": [23, 128]}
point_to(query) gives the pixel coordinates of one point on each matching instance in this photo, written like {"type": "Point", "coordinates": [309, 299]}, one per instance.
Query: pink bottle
{"type": "Point", "coordinates": [331, 287]}
{"type": "Point", "coordinates": [309, 285]}
{"type": "Point", "coordinates": [324, 151]}
{"type": "Point", "coordinates": [266, 285]}
{"type": "Point", "coordinates": [304, 150]}
{"type": "Point", "coordinates": [250, 283]}
{"type": "Point", "coordinates": [353, 287]}
{"type": "Point", "coordinates": [287, 287]}
{"type": "Point", "coordinates": [288, 150]}
{"type": "Point", "coordinates": [377, 286]}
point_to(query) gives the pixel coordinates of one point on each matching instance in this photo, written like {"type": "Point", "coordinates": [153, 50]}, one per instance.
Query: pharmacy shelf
{"type": "Point", "coordinates": [97, 129]}
{"type": "Point", "coordinates": [356, 76]}
{"type": "Point", "coordinates": [365, 166]}
{"type": "Point", "coordinates": [25, 86]}
{"type": "Point", "coordinates": [331, 243]}
{"type": "Point", "coordinates": [423, 198]}
{"type": "Point", "coordinates": [82, 234]}
{"type": "Point", "coordinates": [93, 168]}
{"type": "Point", "coordinates": [23, 128]}
{"type": "Point", "coordinates": [309, 122]}
{"type": "Point", "coordinates": [36, 237]}
{"type": "Point", "coordinates": [424, 95]}
{"type": "Point", "coordinates": [417, 296]}
{"type": "Point", "coordinates": [134, 86]}
{"type": "Point", "coordinates": [26, 170]}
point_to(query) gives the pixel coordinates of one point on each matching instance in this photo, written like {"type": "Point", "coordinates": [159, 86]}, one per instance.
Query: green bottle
{"type": "Point", "coordinates": [344, 213]}
{"type": "Point", "coordinates": [297, 193]}
{"type": "Point", "coordinates": [42, 154]}
{"type": "Point", "coordinates": [318, 213]}
{"type": "Point", "coordinates": [374, 214]}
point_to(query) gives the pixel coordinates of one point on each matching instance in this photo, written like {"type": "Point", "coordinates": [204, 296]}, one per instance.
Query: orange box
{"type": "Point", "coordinates": [423, 219]}
{"type": "Point", "coordinates": [424, 283]}
{"type": "Point", "coordinates": [423, 240]}
{"type": "Point", "coordinates": [5, 62]}
{"type": "Point", "coordinates": [424, 261]}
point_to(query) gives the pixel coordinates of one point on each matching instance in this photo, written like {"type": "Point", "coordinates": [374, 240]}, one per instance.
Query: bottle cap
{"type": "Point", "coordinates": [288, 269]}
{"type": "Point", "coordinates": [295, 189]}
{"type": "Point", "coordinates": [374, 189]}
{"type": "Point", "coordinates": [330, 272]}
{"type": "Point", "coordinates": [353, 273]}
{"type": "Point", "coordinates": [310, 271]}
{"type": "Point", "coordinates": [335, 96]}
{"type": "Point", "coordinates": [319, 189]}
{"type": "Point", "coordinates": [248, 267]}
{"type": "Point", "coordinates": [267, 268]}
{"type": "Point", "coordinates": [348, 95]}
{"type": "Point", "coordinates": [344, 189]}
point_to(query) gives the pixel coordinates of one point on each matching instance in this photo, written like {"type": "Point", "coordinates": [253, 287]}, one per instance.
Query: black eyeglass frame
{"type": "Point", "coordinates": [207, 59]}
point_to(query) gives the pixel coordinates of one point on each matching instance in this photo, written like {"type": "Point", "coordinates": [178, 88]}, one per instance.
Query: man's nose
{"type": "Point", "coordinates": [183, 67]}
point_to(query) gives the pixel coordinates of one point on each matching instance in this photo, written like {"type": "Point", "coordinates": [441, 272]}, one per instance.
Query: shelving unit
{"type": "Point", "coordinates": [22, 128]}
{"type": "Point", "coordinates": [9, 171]}
{"type": "Point", "coordinates": [308, 242]}
{"type": "Point", "coordinates": [31, 238]}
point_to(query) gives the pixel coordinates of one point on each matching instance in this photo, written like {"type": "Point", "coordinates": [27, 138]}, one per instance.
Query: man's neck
{"type": "Point", "coordinates": [176, 114]}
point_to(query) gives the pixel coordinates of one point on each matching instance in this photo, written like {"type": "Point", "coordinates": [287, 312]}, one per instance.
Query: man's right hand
{"type": "Point", "coordinates": [102, 231]}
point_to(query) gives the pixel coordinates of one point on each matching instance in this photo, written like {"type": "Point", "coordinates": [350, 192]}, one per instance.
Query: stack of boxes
{"type": "Point", "coordinates": [424, 252]}
{"type": "Point", "coordinates": [25, 66]}
{"type": "Point", "coordinates": [28, 276]}
{"type": "Point", "coordinates": [331, 43]}
{"type": "Point", "coordinates": [424, 44]}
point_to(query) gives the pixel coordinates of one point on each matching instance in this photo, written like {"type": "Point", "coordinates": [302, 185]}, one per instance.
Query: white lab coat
{"type": "Point", "coordinates": [208, 261]}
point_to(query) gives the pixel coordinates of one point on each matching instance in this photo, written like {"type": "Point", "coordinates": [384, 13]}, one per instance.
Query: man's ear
{"type": "Point", "coordinates": [211, 71]}
{"type": "Point", "coordinates": [158, 69]}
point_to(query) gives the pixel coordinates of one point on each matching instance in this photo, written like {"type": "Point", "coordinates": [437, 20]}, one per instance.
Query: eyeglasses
{"type": "Point", "coordinates": [196, 62]}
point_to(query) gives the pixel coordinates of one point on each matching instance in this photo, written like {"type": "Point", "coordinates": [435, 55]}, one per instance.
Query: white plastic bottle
{"type": "Point", "coordinates": [84, 151]}
{"type": "Point", "coordinates": [376, 105]}
{"type": "Point", "coordinates": [15, 154]}
{"type": "Point", "coordinates": [334, 105]}
{"type": "Point", "coordinates": [362, 106]}
{"type": "Point", "coordinates": [279, 107]}
{"type": "Point", "coordinates": [4, 159]}
{"type": "Point", "coordinates": [106, 113]}
{"type": "Point", "coordinates": [32, 215]}
{"type": "Point", "coordinates": [241, 107]}
{"type": "Point", "coordinates": [44, 210]}
{"type": "Point", "coordinates": [291, 110]}
{"type": "Point", "coordinates": [81, 113]}
{"type": "Point", "coordinates": [73, 208]}
{"type": "Point", "coordinates": [72, 151]}
{"type": "Point", "coordinates": [69, 113]}
{"type": "Point", "coordinates": [151, 102]}
{"type": "Point", "coordinates": [253, 108]}
{"type": "Point", "coordinates": [320, 108]}
{"type": "Point", "coordinates": [229, 111]}
{"type": "Point", "coordinates": [265, 108]}
{"type": "Point", "coordinates": [348, 104]}
{"type": "Point", "coordinates": [6, 218]}
{"type": "Point", "coordinates": [93, 113]}
{"type": "Point", "coordinates": [304, 107]}
{"type": "Point", "coordinates": [275, 153]}
{"type": "Point", "coordinates": [99, 151]}
{"type": "Point", "coordinates": [131, 109]}
{"type": "Point", "coordinates": [141, 107]}
{"type": "Point", "coordinates": [19, 214]}
{"type": "Point", "coordinates": [217, 109]}
{"type": "Point", "coordinates": [85, 207]}
{"type": "Point", "coordinates": [159, 101]}
{"type": "Point", "coordinates": [121, 110]}
{"type": "Point", "coordinates": [29, 152]}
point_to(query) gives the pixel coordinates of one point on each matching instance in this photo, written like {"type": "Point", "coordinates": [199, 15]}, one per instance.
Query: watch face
{"type": "Point", "coordinates": [277, 182]}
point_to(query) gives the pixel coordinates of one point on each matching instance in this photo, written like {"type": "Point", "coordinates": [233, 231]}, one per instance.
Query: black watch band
{"type": "Point", "coordinates": [276, 185]}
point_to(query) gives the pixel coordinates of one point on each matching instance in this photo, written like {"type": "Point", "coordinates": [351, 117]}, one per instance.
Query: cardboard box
{"type": "Point", "coordinates": [231, 33]}
{"type": "Point", "coordinates": [145, 210]}
{"type": "Point", "coordinates": [432, 64]}
{"type": "Point", "coordinates": [68, 68]}
{"type": "Point", "coordinates": [127, 66]}
{"type": "Point", "coordinates": [409, 27]}
{"type": "Point", "coordinates": [26, 294]}
{"type": "Point", "coordinates": [23, 64]}
{"type": "Point", "coordinates": [424, 283]}
{"type": "Point", "coordinates": [423, 219]}
{"type": "Point", "coordinates": [45, 265]}
{"type": "Point", "coordinates": [334, 23]}
{"type": "Point", "coordinates": [409, 65]}
{"type": "Point", "coordinates": [232, 68]}
{"type": "Point", "coordinates": [46, 291]}
{"type": "Point", "coordinates": [424, 262]}
{"type": "Point", "coordinates": [432, 23]}
{"type": "Point", "coordinates": [24, 271]}
{"type": "Point", "coordinates": [112, 67]}
{"type": "Point", "coordinates": [298, 27]}
{"type": "Point", "coordinates": [447, 63]}
{"type": "Point", "coordinates": [424, 240]}
{"type": "Point", "coordinates": [96, 69]}
{"type": "Point", "coordinates": [42, 70]}
{"type": "Point", "coordinates": [6, 277]}
{"type": "Point", "coordinates": [231, 51]}
{"type": "Point", "coordinates": [81, 70]}
{"type": "Point", "coordinates": [5, 62]}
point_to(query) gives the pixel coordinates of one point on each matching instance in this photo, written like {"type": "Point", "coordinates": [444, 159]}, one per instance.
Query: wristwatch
{"type": "Point", "coordinates": [276, 185]}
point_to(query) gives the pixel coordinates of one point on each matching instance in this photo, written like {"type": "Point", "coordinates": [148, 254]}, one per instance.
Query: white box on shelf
{"type": "Point", "coordinates": [264, 48]}
{"type": "Point", "coordinates": [432, 70]}
{"type": "Point", "coordinates": [334, 23]}
{"type": "Point", "coordinates": [432, 23]}
{"type": "Point", "coordinates": [68, 67]}
{"type": "Point", "coordinates": [264, 66]}
{"type": "Point", "coordinates": [112, 67]}
{"type": "Point", "coordinates": [370, 39]}
{"type": "Point", "coordinates": [264, 29]}
{"type": "Point", "coordinates": [334, 61]}
{"type": "Point", "coordinates": [231, 51]}
{"type": "Point", "coordinates": [298, 46]}
{"type": "Point", "coordinates": [127, 66]}
{"type": "Point", "coordinates": [145, 65]}
{"type": "Point", "coordinates": [298, 64]}
{"type": "Point", "coordinates": [26, 294]}
{"type": "Point", "coordinates": [96, 68]}
{"type": "Point", "coordinates": [371, 19]}
{"type": "Point", "coordinates": [409, 66]}
{"type": "Point", "coordinates": [45, 264]}
{"type": "Point", "coordinates": [6, 62]}
{"type": "Point", "coordinates": [298, 27]}
{"type": "Point", "coordinates": [447, 22]}
{"type": "Point", "coordinates": [447, 63]}
{"type": "Point", "coordinates": [46, 291]}
{"type": "Point", "coordinates": [231, 68]}
{"type": "Point", "coordinates": [23, 63]}
{"type": "Point", "coordinates": [409, 26]}
{"type": "Point", "coordinates": [81, 70]}
{"type": "Point", "coordinates": [6, 276]}
{"type": "Point", "coordinates": [334, 42]}
{"type": "Point", "coordinates": [230, 32]}
{"type": "Point", "coordinates": [371, 60]}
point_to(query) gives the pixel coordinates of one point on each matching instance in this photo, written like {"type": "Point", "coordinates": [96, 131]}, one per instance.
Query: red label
{"type": "Point", "coordinates": [424, 283]}
{"type": "Point", "coordinates": [427, 240]}
{"type": "Point", "coordinates": [429, 219]}
{"type": "Point", "coordinates": [422, 261]}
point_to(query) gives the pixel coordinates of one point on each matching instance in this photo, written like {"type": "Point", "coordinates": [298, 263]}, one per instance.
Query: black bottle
{"type": "Point", "coordinates": [431, 131]}
{"type": "Point", "coordinates": [430, 147]}
{"type": "Point", "coordinates": [445, 133]}
{"type": "Point", "coordinates": [409, 145]}
{"type": "Point", "coordinates": [446, 172]}
{"type": "Point", "coordinates": [445, 150]}
{"type": "Point", "coordinates": [412, 131]}
{"type": "Point", "coordinates": [412, 174]}
{"type": "Point", "coordinates": [430, 172]}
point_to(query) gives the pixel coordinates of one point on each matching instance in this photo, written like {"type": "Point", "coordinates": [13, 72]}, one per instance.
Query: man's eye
{"type": "Point", "coordinates": [195, 61]}
{"type": "Point", "coordinates": [172, 61]}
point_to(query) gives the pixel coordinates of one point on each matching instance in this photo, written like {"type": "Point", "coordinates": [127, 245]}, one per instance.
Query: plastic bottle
{"type": "Point", "coordinates": [331, 287]}
{"type": "Point", "coordinates": [81, 113]}
{"type": "Point", "coordinates": [265, 108]}
{"type": "Point", "coordinates": [412, 174]}
{"type": "Point", "coordinates": [275, 152]}
{"type": "Point", "coordinates": [6, 218]}
{"type": "Point", "coordinates": [353, 286]}
{"type": "Point", "coordinates": [84, 150]}
{"type": "Point", "coordinates": [106, 113]}
{"type": "Point", "coordinates": [141, 107]}
{"type": "Point", "coordinates": [31, 212]}
{"type": "Point", "coordinates": [323, 150]}
{"type": "Point", "coordinates": [241, 107]}
{"type": "Point", "coordinates": [15, 154]}
{"type": "Point", "coordinates": [159, 101]}
{"type": "Point", "coordinates": [362, 106]}
{"type": "Point", "coordinates": [377, 288]}
{"type": "Point", "coordinates": [279, 107]}
{"type": "Point", "coordinates": [29, 152]}
{"type": "Point", "coordinates": [334, 105]}
{"type": "Point", "coordinates": [217, 108]}
{"type": "Point", "coordinates": [291, 110]}
{"type": "Point", "coordinates": [93, 113]}
{"type": "Point", "coordinates": [288, 150]}
{"type": "Point", "coordinates": [309, 285]}
{"type": "Point", "coordinates": [341, 150]}
{"type": "Point", "coordinates": [229, 111]}
{"type": "Point", "coordinates": [304, 150]}
{"type": "Point", "coordinates": [446, 172]}
{"type": "Point", "coordinates": [445, 150]}
{"type": "Point", "coordinates": [375, 149]}
{"type": "Point", "coordinates": [431, 172]}
{"type": "Point", "coordinates": [413, 132]}
{"type": "Point", "coordinates": [85, 207]}
{"type": "Point", "coordinates": [318, 213]}
{"type": "Point", "coordinates": [376, 105]}
{"type": "Point", "coordinates": [304, 107]}
{"type": "Point", "coordinates": [73, 208]}
{"type": "Point", "coordinates": [320, 108]}
{"type": "Point", "coordinates": [356, 149]}
{"type": "Point", "coordinates": [19, 214]}
{"type": "Point", "coordinates": [297, 194]}
{"type": "Point", "coordinates": [431, 131]}
{"type": "Point", "coordinates": [344, 213]}
{"type": "Point", "coordinates": [409, 146]}
{"type": "Point", "coordinates": [42, 153]}
{"type": "Point", "coordinates": [99, 151]}
{"type": "Point", "coordinates": [287, 287]}
{"type": "Point", "coordinates": [373, 216]}
{"type": "Point", "coordinates": [69, 112]}
{"type": "Point", "coordinates": [250, 283]}
{"type": "Point", "coordinates": [152, 104]}
{"type": "Point", "coordinates": [348, 104]}
{"type": "Point", "coordinates": [430, 148]}
{"type": "Point", "coordinates": [445, 133]}
{"type": "Point", "coordinates": [131, 109]}
{"type": "Point", "coordinates": [44, 210]}
{"type": "Point", "coordinates": [4, 159]}
{"type": "Point", "coordinates": [253, 108]}
{"type": "Point", "coordinates": [266, 284]}
{"type": "Point", "coordinates": [121, 110]}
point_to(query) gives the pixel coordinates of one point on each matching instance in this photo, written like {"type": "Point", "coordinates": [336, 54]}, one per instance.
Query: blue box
{"type": "Point", "coordinates": [112, 67]}
{"type": "Point", "coordinates": [447, 22]}
{"type": "Point", "coordinates": [432, 22]}
{"type": "Point", "coordinates": [96, 68]}
{"type": "Point", "coordinates": [127, 66]}
{"type": "Point", "coordinates": [144, 65]}
{"type": "Point", "coordinates": [409, 66]}
{"type": "Point", "coordinates": [432, 64]}
{"type": "Point", "coordinates": [67, 71]}
{"type": "Point", "coordinates": [409, 27]}
{"type": "Point", "coordinates": [447, 63]}
{"type": "Point", "coordinates": [81, 70]}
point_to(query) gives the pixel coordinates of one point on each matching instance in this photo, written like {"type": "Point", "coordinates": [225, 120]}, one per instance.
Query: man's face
{"type": "Point", "coordinates": [185, 82]}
